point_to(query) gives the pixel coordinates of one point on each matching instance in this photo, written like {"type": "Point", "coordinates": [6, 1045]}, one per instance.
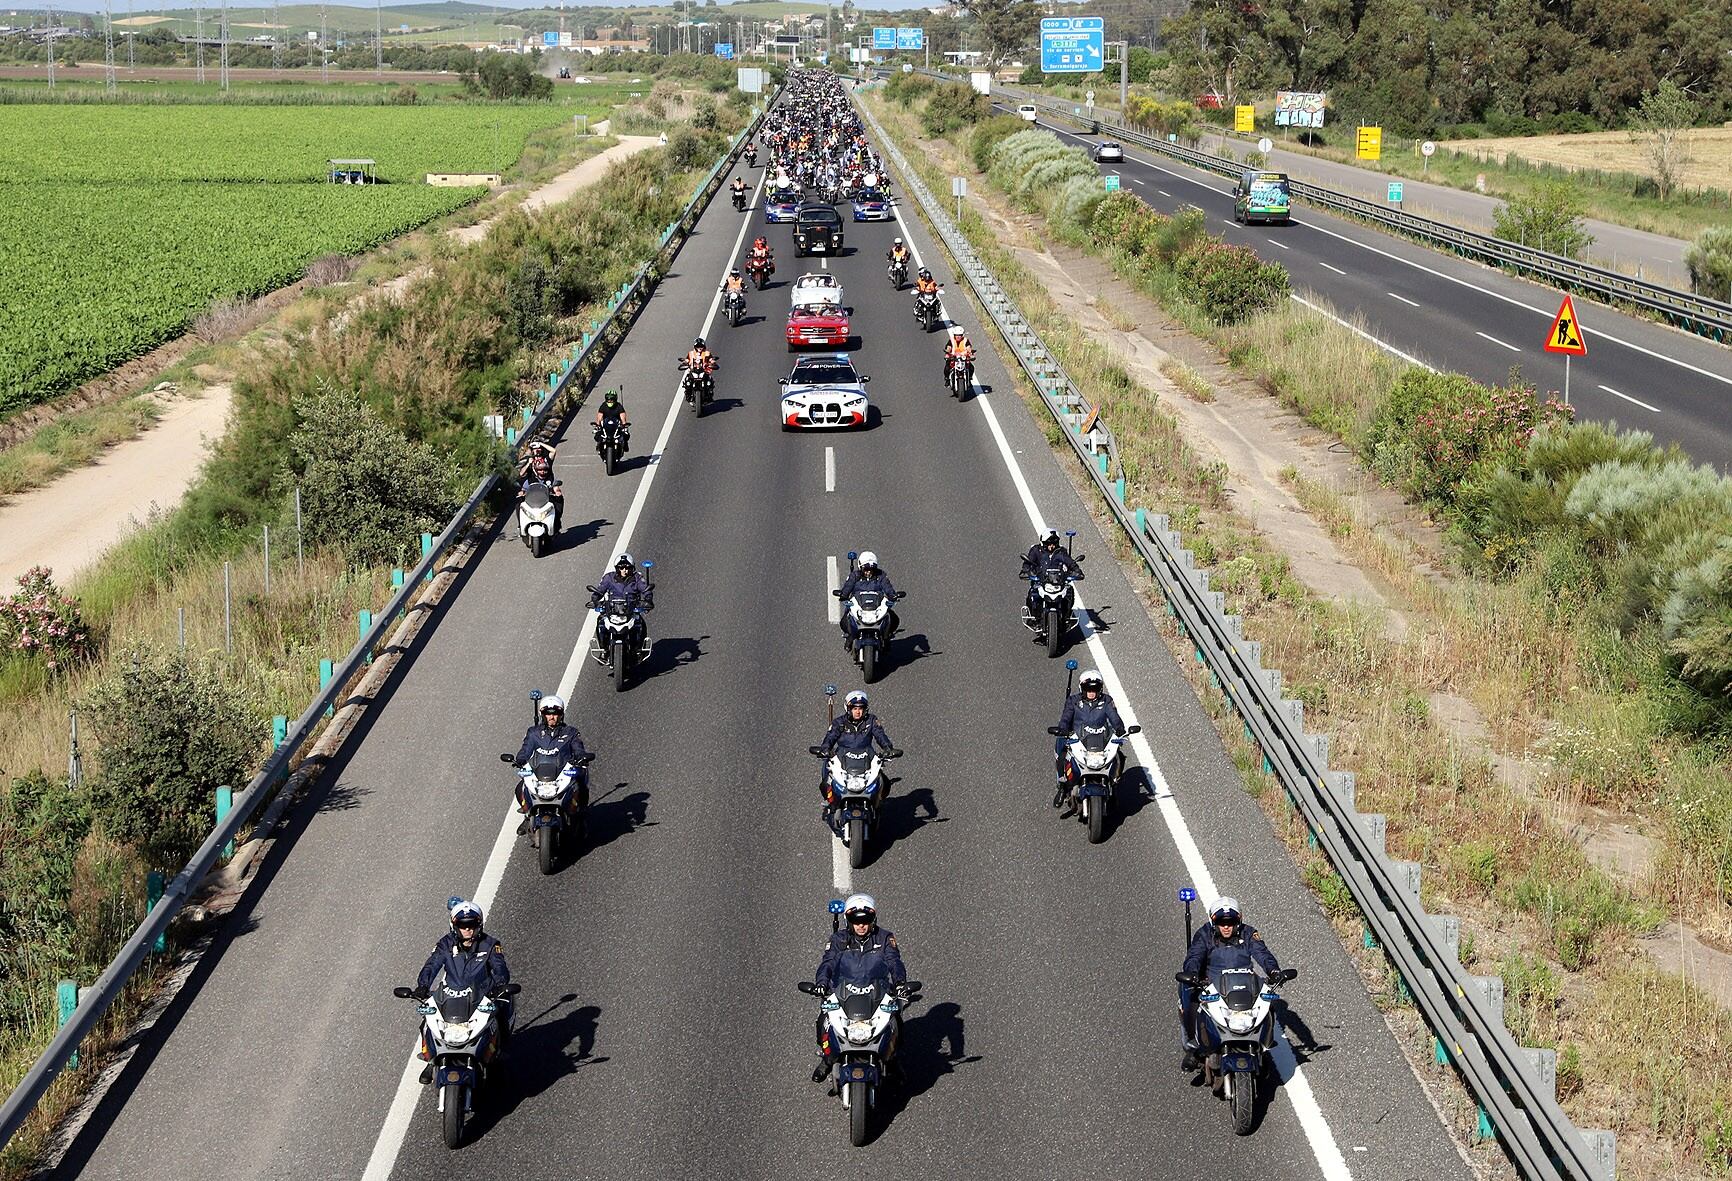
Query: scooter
{"type": "Point", "coordinates": [460, 1036]}
{"type": "Point", "coordinates": [870, 611]}
{"type": "Point", "coordinates": [536, 513]}
{"type": "Point", "coordinates": [862, 1022]}
{"type": "Point", "coordinates": [1094, 761]}
{"type": "Point", "coordinates": [1235, 1029]}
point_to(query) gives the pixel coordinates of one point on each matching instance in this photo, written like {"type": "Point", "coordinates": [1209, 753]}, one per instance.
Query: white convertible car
{"type": "Point", "coordinates": [824, 392]}
{"type": "Point", "coordinates": [816, 287]}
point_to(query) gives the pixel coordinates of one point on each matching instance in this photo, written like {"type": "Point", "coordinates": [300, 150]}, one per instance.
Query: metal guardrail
{"type": "Point", "coordinates": [597, 344]}
{"type": "Point", "coordinates": [1694, 313]}
{"type": "Point", "coordinates": [1515, 1087]}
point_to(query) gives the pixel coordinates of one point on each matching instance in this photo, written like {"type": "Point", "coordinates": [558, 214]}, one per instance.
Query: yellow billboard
{"type": "Point", "coordinates": [1370, 144]}
{"type": "Point", "coordinates": [1244, 118]}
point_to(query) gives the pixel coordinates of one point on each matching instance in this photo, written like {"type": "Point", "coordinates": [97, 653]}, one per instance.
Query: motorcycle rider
{"type": "Point", "coordinates": [613, 410]}
{"type": "Point", "coordinates": [958, 346]}
{"type": "Point", "coordinates": [1044, 556]}
{"type": "Point", "coordinates": [537, 465]}
{"type": "Point", "coordinates": [738, 189]}
{"type": "Point", "coordinates": [858, 952]}
{"type": "Point", "coordinates": [626, 582]}
{"type": "Point", "coordinates": [1090, 705]}
{"type": "Point", "coordinates": [551, 736]}
{"type": "Point", "coordinates": [1224, 942]}
{"type": "Point", "coordinates": [868, 577]}
{"type": "Point", "coordinates": [760, 254]}
{"type": "Point", "coordinates": [735, 282]}
{"type": "Point", "coordinates": [702, 363]}
{"type": "Point", "coordinates": [471, 958]}
{"type": "Point", "coordinates": [898, 252]}
{"type": "Point", "coordinates": [856, 730]}
{"type": "Point", "coordinates": [924, 283]}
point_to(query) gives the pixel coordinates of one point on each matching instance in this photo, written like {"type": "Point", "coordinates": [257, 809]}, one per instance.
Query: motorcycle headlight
{"type": "Point", "coordinates": [1241, 1022]}
{"type": "Point", "coordinates": [859, 1032]}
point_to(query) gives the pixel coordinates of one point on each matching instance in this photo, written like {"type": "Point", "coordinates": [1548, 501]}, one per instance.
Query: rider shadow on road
{"type": "Point", "coordinates": [610, 819]}
{"type": "Point", "coordinates": [1135, 790]}
{"type": "Point", "coordinates": [542, 1053]}
{"type": "Point", "coordinates": [932, 1046]}
{"type": "Point", "coordinates": [671, 652]}
{"type": "Point", "coordinates": [901, 816]}
{"type": "Point", "coordinates": [905, 650]}
{"type": "Point", "coordinates": [723, 405]}
{"type": "Point", "coordinates": [1301, 1045]}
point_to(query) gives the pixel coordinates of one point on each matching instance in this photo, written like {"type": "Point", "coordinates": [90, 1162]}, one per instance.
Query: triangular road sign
{"type": "Point", "coordinates": [1566, 332]}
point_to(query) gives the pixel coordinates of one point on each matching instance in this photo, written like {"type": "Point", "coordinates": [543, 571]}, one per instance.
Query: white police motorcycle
{"type": "Point", "coordinates": [870, 613]}
{"type": "Point", "coordinates": [1094, 761]}
{"type": "Point", "coordinates": [621, 635]}
{"type": "Point", "coordinates": [460, 1035]}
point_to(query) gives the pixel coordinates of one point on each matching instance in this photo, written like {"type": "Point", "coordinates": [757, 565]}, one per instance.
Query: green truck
{"type": "Point", "coordinates": [1262, 197]}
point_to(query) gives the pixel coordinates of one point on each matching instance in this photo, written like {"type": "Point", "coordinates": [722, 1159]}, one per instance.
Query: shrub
{"type": "Point", "coordinates": [988, 134]}
{"type": "Point", "coordinates": [364, 486]}
{"type": "Point", "coordinates": [44, 624]}
{"type": "Point", "coordinates": [1710, 261]}
{"type": "Point", "coordinates": [1548, 217]}
{"type": "Point", "coordinates": [1697, 620]}
{"type": "Point", "coordinates": [1434, 429]}
{"type": "Point", "coordinates": [170, 732]}
{"type": "Point", "coordinates": [1230, 283]}
{"type": "Point", "coordinates": [42, 823]}
{"type": "Point", "coordinates": [951, 106]}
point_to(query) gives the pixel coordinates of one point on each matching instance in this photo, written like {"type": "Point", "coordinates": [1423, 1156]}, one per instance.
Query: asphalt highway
{"type": "Point", "coordinates": [659, 1030]}
{"type": "Point", "coordinates": [1452, 314]}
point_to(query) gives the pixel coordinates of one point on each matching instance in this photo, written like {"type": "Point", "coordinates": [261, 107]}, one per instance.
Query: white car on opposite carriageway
{"type": "Point", "coordinates": [824, 392]}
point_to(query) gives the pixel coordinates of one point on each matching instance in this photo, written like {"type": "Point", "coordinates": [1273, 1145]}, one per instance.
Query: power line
{"type": "Point", "coordinates": [379, 38]}
{"type": "Point", "coordinates": [108, 46]}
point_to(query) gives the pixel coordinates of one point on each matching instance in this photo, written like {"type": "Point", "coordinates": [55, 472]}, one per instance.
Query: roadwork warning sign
{"type": "Point", "coordinates": [1566, 332]}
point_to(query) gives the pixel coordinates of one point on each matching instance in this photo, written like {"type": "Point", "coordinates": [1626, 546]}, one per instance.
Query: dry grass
{"type": "Point", "coordinates": [1710, 149]}
{"type": "Point", "coordinates": [72, 441]}
{"type": "Point", "coordinates": [1189, 381]}
{"type": "Point", "coordinates": [227, 318]}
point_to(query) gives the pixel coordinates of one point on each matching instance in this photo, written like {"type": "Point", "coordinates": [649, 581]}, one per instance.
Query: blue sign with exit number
{"type": "Point", "coordinates": [1072, 44]}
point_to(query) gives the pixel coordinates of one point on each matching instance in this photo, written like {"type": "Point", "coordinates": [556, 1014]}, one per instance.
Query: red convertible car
{"type": "Point", "coordinates": [818, 323]}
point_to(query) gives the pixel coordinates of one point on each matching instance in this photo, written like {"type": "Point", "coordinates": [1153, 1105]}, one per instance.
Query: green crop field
{"type": "Point", "coordinates": [259, 143]}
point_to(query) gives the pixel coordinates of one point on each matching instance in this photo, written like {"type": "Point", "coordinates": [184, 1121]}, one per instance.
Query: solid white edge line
{"type": "Point", "coordinates": [832, 582]}
{"type": "Point", "coordinates": [1327, 267]}
{"type": "Point", "coordinates": [1505, 344]}
{"type": "Point", "coordinates": [1298, 1091]}
{"type": "Point", "coordinates": [402, 1113]}
{"type": "Point", "coordinates": [829, 469]}
{"type": "Point", "coordinates": [1627, 398]}
{"type": "Point", "coordinates": [1358, 331]}
{"type": "Point", "coordinates": [1409, 302]}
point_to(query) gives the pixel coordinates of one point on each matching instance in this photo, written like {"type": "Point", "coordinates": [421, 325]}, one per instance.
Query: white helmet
{"type": "Point", "coordinates": [860, 902]}
{"type": "Point", "coordinates": [1224, 906]}
{"type": "Point", "coordinates": [1042, 534]}
{"type": "Point", "coordinates": [464, 911]}
{"type": "Point", "coordinates": [551, 701]}
{"type": "Point", "coordinates": [868, 558]}
{"type": "Point", "coordinates": [857, 697]}
{"type": "Point", "coordinates": [1092, 676]}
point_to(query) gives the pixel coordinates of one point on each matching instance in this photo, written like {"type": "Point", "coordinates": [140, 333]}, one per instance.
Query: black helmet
{"type": "Point", "coordinates": [925, 274]}
{"type": "Point", "coordinates": [698, 343]}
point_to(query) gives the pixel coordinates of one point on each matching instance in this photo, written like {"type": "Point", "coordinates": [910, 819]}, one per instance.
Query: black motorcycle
{"type": "Point", "coordinates": [697, 387]}
{"type": "Point", "coordinates": [926, 309]}
{"type": "Point", "coordinates": [959, 376]}
{"type": "Point", "coordinates": [740, 200]}
{"type": "Point", "coordinates": [898, 272]}
{"type": "Point", "coordinates": [1053, 613]}
{"type": "Point", "coordinates": [612, 438]}
{"type": "Point", "coordinates": [734, 307]}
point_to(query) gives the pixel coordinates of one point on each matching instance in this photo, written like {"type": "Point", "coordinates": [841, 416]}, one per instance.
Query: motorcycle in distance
{"type": "Point", "coordinates": [870, 611]}
{"type": "Point", "coordinates": [926, 309]}
{"type": "Point", "coordinates": [610, 441]}
{"type": "Point", "coordinates": [863, 1021]}
{"type": "Point", "coordinates": [697, 386]}
{"type": "Point", "coordinates": [856, 792]}
{"type": "Point", "coordinates": [615, 645]}
{"type": "Point", "coordinates": [1057, 605]}
{"type": "Point", "coordinates": [759, 270]}
{"type": "Point", "coordinates": [959, 376]}
{"type": "Point", "coordinates": [460, 1037]}
{"type": "Point", "coordinates": [739, 200]}
{"type": "Point", "coordinates": [1094, 761]}
{"type": "Point", "coordinates": [898, 273]}
{"type": "Point", "coordinates": [734, 307]}
{"type": "Point", "coordinates": [1235, 1029]}
{"type": "Point", "coordinates": [751, 155]}
{"type": "Point", "coordinates": [535, 515]}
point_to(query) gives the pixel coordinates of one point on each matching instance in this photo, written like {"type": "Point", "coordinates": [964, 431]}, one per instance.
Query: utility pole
{"type": "Point", "coordinates": [223, 46]}
{"type": "Point", "coordinates": [276, 36]}
{"type": "Point", "coordinates": [379, 38]}
{"type": "Point", "coordinates": [131, 35]}
{"type": "Point", "coordinates": [197, 39]}
{"type": "Point", "coordinates": [324, 52]}
{"type": "Point", "coordinates": [108, 46]}
{"type": "Point", "coordinates": [51, 28]}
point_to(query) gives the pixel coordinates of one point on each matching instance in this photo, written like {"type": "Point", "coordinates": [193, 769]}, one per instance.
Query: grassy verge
{"type": "Point", "coordinates": [403, 382]}
{"type": "Point", "coordinates": [73, 441]}
{"type": "Point", "coordinates": [1533, 905]}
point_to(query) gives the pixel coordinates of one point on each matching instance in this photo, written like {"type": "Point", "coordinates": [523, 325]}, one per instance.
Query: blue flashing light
{"type": "Point", "coordinates": [1071, 665]}
{"type": "Point", "coordinates": [837, 906]}
{"type": "Point", "coordinates": [1187, 894]}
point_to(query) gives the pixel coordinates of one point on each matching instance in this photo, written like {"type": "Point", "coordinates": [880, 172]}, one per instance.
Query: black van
{"type": "Point", "coordinates": [817, 230]}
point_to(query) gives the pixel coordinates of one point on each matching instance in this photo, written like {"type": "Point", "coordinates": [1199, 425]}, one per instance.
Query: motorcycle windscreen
{"type": "Point", "coordinates": [1239, 988]}
{"type": "Point", "coordinates": [860, 999]}
{"type": "Point", "coordinates": [868, 601]}
{"type": "Point", "coordinates": [855, 762]}
{"type": "Point", "coordinates": [547, 767]}
{"type": "Point", "coordinates": [1094, 738]}
{"type": "Point", "coordinates": [457, 998]}
{"type": "Point", "coordinates": [537, 495]}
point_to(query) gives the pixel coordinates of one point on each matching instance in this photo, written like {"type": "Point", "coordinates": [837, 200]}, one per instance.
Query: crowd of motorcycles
{"type": "Point", "coordinates": [814, 140]}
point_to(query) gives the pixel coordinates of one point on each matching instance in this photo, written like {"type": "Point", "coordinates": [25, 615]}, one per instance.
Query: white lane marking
{"type": "Point", "coordinates": [840, 876]}
{"type": "Point", "coordinates": [1627, 398]}
{"type": "Point", "coordinates": [829, 469]}
{"type": "Point", "coordinates": [1360, 332]}
{"type": "Point", "coordinates": [1282, 245]}
{"type": "Point", "coordinates": [1135, 181]}
{"type": "Point", "coordinates": [1229, 222]}
{"type": "Point", "coordinates": [396, 1127]}
{"type": "Point", "coordinates": [1512, 348]}
{"type": "Point", "coordinates": [1295, 1087]}
{"type": "Point", "coordinates": [824, 263]}
{"type": "Point", "coordinates": [832, 583]}
{"type": "Point", "coordinates": [1163, 192]}
{"type": "Point", "coordinates": [1327, 267]}
{"type": "Point", "coordinates": [1410, 303]}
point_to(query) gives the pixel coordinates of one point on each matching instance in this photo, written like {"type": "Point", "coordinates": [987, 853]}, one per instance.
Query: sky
{"type": "Point", "coordinates": [143, 6]}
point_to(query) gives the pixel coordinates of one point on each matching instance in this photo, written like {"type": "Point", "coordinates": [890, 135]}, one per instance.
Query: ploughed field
{"type": "Point", "coordinates": [119, 225]}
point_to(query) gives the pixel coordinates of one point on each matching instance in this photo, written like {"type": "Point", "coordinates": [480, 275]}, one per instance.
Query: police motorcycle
{"type": "Point", "coordinates": [1094, 761]}
{"type": "Point", "coordinates": [854, 787]}
{"type": "Point", "coordinates": [535, 516]}
{"type": "Point", "coordinates": [1057, 603]}
{"type": "Point", "coordinates": [1236, 1028]}
{"type": "Point", "coordinates": [862, 1021]}
{"type": "Point", "coordinates": [460, 1036]}
{"type": "Point", "coordinates": [614, 645]}
{"type": "Point", "coordinates": [870, 611]}
{"type": "Point", "coordinates": [556, 811]}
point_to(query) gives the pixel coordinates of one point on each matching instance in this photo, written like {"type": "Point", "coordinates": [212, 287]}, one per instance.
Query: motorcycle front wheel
{"type": "Point", "coordinates": [1095, 814]}
{"type": "Point", "coordinates": [537, 544]}
{"type": "Point", "coordinates": [612, 460]}
{"type": "Point", "coordinates": [856, 842]}
{"type": "Point", "coordinates": [548, 852]}
{"type": "Point", "coordinates": [869, 662]}
{"type": "Point", "coordinates": [456, 1096]}
{"type": "Point", "coordinates": [1054, 634]}
{"type": "Point", "coordinates": [859, 1113]}
{"type": "Point", "coordinates": [1244, 1087]}
{"type": "Point", "coordinates": [619, 666]}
